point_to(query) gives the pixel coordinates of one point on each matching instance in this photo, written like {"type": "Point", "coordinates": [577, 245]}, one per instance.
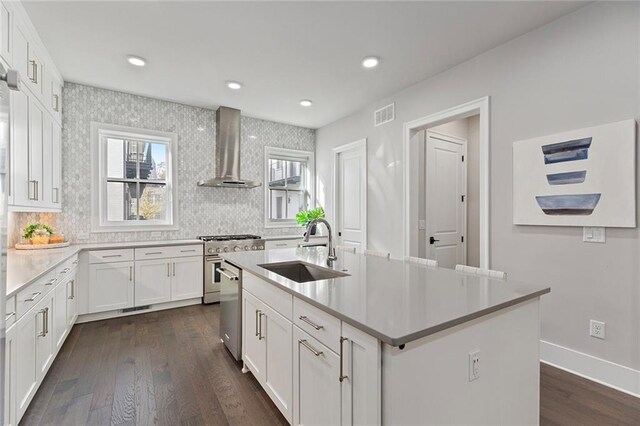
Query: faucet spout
{"type": "Point", "coordinates": [332, 251]}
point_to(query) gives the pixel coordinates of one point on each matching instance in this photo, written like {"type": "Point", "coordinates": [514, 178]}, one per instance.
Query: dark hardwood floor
{"type": "Point", "coordinates": [169, 368]}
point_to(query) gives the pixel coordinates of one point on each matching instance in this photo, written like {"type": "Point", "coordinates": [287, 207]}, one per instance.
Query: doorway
{"type": "Point", "coordinates": [350, 194]}
{"type": "Point", "coordinates": [446, 186]}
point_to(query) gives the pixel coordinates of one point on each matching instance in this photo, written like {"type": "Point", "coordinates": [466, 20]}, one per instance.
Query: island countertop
{"type": "Point", "coordinates": [394, 301]}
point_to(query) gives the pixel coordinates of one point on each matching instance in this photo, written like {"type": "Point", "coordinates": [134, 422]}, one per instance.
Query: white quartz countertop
{"type": "Point", "coordinates": [289, 237]}
{"type": "Point", "coordinates": [26, 266]}
{"type": "Point", "coordinates": [395, 301]}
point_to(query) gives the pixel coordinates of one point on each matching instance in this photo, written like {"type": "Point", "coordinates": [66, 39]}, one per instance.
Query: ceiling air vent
{"type": "Point", "coordinates": [384, 115]}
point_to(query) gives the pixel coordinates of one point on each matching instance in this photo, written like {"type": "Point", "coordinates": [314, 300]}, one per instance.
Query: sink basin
{"type": "Point", "coordinates": [302, 272]}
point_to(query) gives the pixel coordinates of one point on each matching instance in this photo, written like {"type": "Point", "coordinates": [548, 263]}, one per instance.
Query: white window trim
{"type": "Point", "coordinates": [295, 155]}
{"type": "Point", "coordinates": [98, 207]}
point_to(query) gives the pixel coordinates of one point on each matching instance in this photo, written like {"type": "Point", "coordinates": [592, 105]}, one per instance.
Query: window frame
{"type": "Point", "coordinates": [100, 132]}
{"type": "Point", "coordinates": [288, 155]}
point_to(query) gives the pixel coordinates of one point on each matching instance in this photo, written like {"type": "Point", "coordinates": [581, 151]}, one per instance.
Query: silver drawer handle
{"type": "Point", "coordinates": [224, 272]}
{"type": "Point", "coordinates": [34, 296]}
{"type": "Point", "coordinates": [311, 323]}
{"type": "Point", "coordinates": [281, 244]}
{"type": "Point", "coordinates": [187, 251]}
{"type": "Point", "coordinates": [9, 315]}
{"type": "Point", "coordinates": [311, 348]}
{"type": "Point", "coordinates": [65, 270]}
{"type": "Point", "coordinates": [152, 252]}
{"type": "Point", "coordinates": [75, 262]}
{"type": "Point", "coordinates": [51, 281]}
{"type": "Point", "coordinates": [111, 255]}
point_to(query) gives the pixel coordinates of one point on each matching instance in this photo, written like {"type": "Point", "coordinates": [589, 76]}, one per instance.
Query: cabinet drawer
{"type": "Point", "coordinates": [31, 295]}
{"type": "Point", "coordinates": [276, 244]}
{"type": "Point", "coordinates": [279, 300]}
{"type": "Point", "coordinates": [107, 256]}
{"type": "Point", "coordinates": [319, 324]}
{"type": "Point", "coordinates": [67, 266]}
{"type": "Point", "coordinates": [152, 253]}
{"type": "Point", "coordinates": [185, 251]}
{"type": "Point", "coordinates": [10, 313]}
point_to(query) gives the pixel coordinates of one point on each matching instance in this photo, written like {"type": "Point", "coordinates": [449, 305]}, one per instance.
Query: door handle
{"type": "Point", "coordinates": [342, 375]}
{"type": "Point", "coordinates": [261, 336]}
{"type": "Point", "coordinates": [224, 272]}
{"type": "Point", "coordinates": [257, 332]}
{"type": "Point", "coordinates": [304, 343]}
{"type": "Point", "coordinates": [432, 240]}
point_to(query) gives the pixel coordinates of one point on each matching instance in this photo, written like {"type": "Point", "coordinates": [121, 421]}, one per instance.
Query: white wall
{"type": "Point", "coordinates": [581, 70]}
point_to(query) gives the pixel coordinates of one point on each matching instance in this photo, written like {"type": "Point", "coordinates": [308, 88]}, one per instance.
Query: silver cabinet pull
{"type": "Point", "coordinates": [152, 252]}
{"type": "Point", "coordinates": [75, 262]}
{"type": "Point", "coordinates": [9, 315]}
{"type": "Point", "coordinates": [342, 375]}
{"type": "Point", "coordinates": [73, 289]}
{"type": "Point", "coordinates": [174, 269]}
{"type": "Point", "coordinates": [34, 71]}
{"type": "Point", "coordinates": [257, 332]}
{"type": "Point", "coordinates": [46, 322]}
{"type": "Point", "coordinates": [55, 195]}
{"type": "Point", "coordinates": [168, 269]}
{"type": "Point", "coordinates": [130, 273]}
{"type": "Point", "coordinates": [51, 281]}
{"type": "Point", "coordinates": [33, 297]}
{"type": "Point", "coordinates": [308, 346]}
{"type": "Point", "coordinates": [311, 323]}
{"type": "Point", "coordinates": [56, 103]}
{"type": "Point", "coordinates": [261, 336]}
{"type": "Point", "coordinates": [281, 244]}
{"type": "Point", "coordinates": [33, 197]}
{"type": "Point", "coordinates": [44, 327]}
{"type": "Point", "coordinates": [65, 270]}
{"type": "Point", "coordinates": [37, 190]}
{"type": "Point", "coordinates": [111, 255]}
{"type": "Point", "coordinates": [224, 272]}
{"type": "Point", "coordinates": [187, 251]}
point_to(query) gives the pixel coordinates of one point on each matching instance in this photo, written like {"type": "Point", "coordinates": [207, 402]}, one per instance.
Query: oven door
{"type": "Point", "coordinates": [211, 279]}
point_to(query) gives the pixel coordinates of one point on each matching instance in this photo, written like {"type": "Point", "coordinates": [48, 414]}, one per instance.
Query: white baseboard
{"type": "Point", "coordinates": [601, 371]}
{"type": "Point", "coordinates": [159, 307]}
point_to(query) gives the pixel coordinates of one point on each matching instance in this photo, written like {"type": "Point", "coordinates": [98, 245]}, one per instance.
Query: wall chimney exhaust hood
{"type": "Point", "coordinates": [228, 152]}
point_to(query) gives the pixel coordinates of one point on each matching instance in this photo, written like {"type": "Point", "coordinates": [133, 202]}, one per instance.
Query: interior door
{"type": "Point", "coordinates": [445, 199]}
{"type": "Point", "coordinates": [350, 197]}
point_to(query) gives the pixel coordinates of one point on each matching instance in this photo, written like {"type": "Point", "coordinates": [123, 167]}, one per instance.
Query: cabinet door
{"type": "Point", "coordinates": [316, 385]}
{"type": "Point", "coordinates": [47, 161]}
{"type": "Point", "coordinates": [153, 281]}
{"type": "Point", "coordinates": [72, 302]}
{"type": "Point", "coordinates": [28, 329]}
{"type": "Point", "coordinates": [21, 190]}
{"type": "Point", "coordinates": [36, 145]}
{"type": "Point", "coordinates": [186, 280]}
{"type": "Point", "coordinates": [361, 388]}
{"type": "Point", "coordinates": [56, 166]}
{"type": "Point", "coordinates": [110, 286]}
{"type": "Point", "coordinates": [45, 343]}
{"type": "Point", "coordinates": [21, 52]}
{"type": "Point", "coordinates": [10, 390]}
{"type": "Point", "coordinates": [60, 324]}
{"type": "Point", "coordinates": [6, 20]}
{"type": "Point", "coordinates": [277, 332]}
{"type": "Point", "coordinates": [253, 345]}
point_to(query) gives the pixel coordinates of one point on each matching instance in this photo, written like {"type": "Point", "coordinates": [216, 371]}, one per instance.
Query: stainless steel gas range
{"type": "Point", "coordinates": [213, 246]}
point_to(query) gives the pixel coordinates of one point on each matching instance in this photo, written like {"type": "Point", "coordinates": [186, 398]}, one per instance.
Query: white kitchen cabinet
{"type": "Point", "coordinates": [36, 151]}
{"type": "Point", "coordinates": [10, 391]}
{"type": "Point", "coordinates": [111, 286]}
{"type": "Point", "coordinates": [186, 279]}
{"type": "Point", "coordinates": [72, 301]}
{"type": "Point", "coordinates": [52, 94]}
{"type": "Point", "coordinates": [316, 385]}
{"type": "Point", "coordinates": [45, 344]}
{"type": "Point", "coordinates": [361, 384]}
{"type": "Point", "coordinates": [51, 171]}
{"type": "Point", "coordinates": [20, 187]}
{"type": "Point", "coordinates": [60, 324]}
{"type": "Point", "coordinates": [153, 281]}
{"type": "Point", "coordinates": [253, 347]}
{"type": "Point", "coordinates": [6, 21]}
{"type": "Point", "coordinates": [27, 59]}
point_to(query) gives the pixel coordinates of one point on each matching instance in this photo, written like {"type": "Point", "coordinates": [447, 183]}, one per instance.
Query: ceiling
{"type": "Point", "coordinates": [281, 51]}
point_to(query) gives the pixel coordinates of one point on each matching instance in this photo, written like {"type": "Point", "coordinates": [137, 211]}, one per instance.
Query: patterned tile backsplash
{"type": "Point", "coordinates": [201, 210]}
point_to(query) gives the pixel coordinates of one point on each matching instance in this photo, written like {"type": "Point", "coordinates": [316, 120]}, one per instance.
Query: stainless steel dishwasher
{"type": "Point", "coordinates": [231, 308]}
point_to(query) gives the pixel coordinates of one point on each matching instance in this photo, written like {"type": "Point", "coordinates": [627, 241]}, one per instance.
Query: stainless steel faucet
{"type": "Point", "coordinates": [332, 251]}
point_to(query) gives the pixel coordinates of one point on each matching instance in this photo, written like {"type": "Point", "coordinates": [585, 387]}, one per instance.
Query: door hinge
{"type": "Point", "coordinates": [463, 158]}
{"type": "Point", "coordinates": [462, 239]}
{"type": "Point", "coordinates": [462, 197]}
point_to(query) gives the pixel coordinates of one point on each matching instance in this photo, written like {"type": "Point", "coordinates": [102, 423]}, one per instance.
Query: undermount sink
{"type": "Point", "coordinates": [302, 272]}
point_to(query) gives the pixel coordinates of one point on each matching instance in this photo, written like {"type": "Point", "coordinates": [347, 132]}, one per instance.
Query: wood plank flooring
{"type": "Point", "coordinates": [169, 368]}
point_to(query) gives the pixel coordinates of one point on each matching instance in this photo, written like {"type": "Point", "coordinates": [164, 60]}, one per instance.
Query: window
{"type": "Point", "coordinates": [289, 181]}
{"type": "Point", "coordinates": [133, 186]}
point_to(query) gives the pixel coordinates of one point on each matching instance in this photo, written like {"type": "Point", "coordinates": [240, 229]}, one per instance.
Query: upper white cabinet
{"type": "Point", "coordinates": [36, 115]}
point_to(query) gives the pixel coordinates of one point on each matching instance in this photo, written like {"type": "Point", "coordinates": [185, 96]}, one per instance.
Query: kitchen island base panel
{"type": "Point", "coordinates": [427, 382]}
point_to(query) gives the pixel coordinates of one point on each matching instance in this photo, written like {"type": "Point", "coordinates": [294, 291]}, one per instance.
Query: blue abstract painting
{"type": "Point", "coordinates": [561, 152]}
{"type": "Point", "coordinates": [566, 178]}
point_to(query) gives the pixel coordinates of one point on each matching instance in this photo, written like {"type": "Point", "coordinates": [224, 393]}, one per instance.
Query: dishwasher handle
{"type": "Point", "coordinates": [226, 274]}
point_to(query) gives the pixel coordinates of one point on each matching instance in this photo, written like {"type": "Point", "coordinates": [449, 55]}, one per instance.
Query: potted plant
{"type": "Point", "coordinates": [37, 233]}
{"type": "Point", "coordinates": [306, 216]}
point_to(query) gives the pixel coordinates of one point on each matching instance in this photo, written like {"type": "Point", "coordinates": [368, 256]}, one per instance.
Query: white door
{"type": "Point", "coordinates": [60, 323]}
{"type": "Point", "coordinates": [277, 332]}
{"type": "Point", "coordinates": [186, 280]}
{"type": "Point", "coordinates": [253, 345]}
{"type": "Point", "coordinates": [316, 388]}
{"type": "Point", "coordinates": [350, 198]}
{"type": "Point", "coordinates": [361, 389]}
{"type": "Point", "coordinates": [445, 198]}
{"type": "Point", "coordinates": [153, 281]}
{"type": "Point", "coordinates": [110, 286]}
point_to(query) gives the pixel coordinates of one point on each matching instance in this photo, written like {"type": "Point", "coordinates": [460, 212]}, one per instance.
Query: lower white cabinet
{"type": "Point", "coordinates": [153, 281]}
{"type": "Point", "coordinates": [110, 286]}
{"type": "Point", "coordinates": [60, 324]}
{"type": "Point", "coordinates": [10, 359]}
{"type": "Point", "coordinates": [316, 385]}
{"type": "Point", "coordinates": [268, 351]}
{"type": "Point", "coordinates": [187, 279]}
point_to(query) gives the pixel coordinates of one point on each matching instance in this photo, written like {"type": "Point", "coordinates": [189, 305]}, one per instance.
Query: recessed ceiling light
{"type": "Point", "coordinates": [370, 62]}
{"type": "Point", "coordinates": [306, 103]}
{"type": "Point", "coordinates": [136, 60]}
{"type": "Point", "coordinates": [235, 85]}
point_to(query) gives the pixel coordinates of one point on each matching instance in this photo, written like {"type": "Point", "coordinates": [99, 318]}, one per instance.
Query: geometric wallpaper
{"type": "Point", "coordinates": [201, 211]}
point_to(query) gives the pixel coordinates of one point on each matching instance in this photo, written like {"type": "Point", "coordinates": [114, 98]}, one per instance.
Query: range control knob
{"type": "Point", "coordinates": [237, 248]}
{"type": "Point", "coordinates": [226, 249]}
{"type": "Point", "coordinates": [218, 250]}
{"type": "Point", "coordinates": [210, 250]}
{"type": "Point", "coordinates": [246, 248]}
{"type": "Point", "coordinates": [253, 247]}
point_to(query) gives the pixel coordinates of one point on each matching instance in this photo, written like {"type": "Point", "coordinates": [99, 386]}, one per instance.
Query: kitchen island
{"type": "Point", "coordinates": [390, 342]}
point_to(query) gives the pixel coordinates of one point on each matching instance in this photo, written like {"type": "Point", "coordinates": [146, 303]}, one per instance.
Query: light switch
{"type": "Point", "coordinates": [593, 235]}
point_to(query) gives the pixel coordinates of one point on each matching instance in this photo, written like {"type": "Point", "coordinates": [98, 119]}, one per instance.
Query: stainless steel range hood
{"type": "Point", "coordinates": [228, 152]}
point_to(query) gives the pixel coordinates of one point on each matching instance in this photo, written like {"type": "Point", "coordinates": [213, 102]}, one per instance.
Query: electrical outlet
{"type": "Point", "coordinates": [474, 365]}
{"type": "Point", "coordinates": [597, 329]}
{"type": "Point", "coordinates": [593, 235]}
